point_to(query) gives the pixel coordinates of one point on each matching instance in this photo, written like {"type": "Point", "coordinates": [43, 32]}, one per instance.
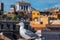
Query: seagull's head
{"type": "Point", "coordinates": [20, 24]}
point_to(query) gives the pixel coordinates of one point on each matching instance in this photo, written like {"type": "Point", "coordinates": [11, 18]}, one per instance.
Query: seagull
{"type": "Point", "coordinates": [27, 34]}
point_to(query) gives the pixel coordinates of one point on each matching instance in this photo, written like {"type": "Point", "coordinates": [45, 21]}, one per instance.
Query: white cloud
{"type": "Point", "coordinates": [57, 5]}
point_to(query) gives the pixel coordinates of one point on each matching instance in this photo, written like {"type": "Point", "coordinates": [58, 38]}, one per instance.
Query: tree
{"type": "Point", "coordinates": [4, 16]}
{"type": "Point", "coordinates": [14, 17]}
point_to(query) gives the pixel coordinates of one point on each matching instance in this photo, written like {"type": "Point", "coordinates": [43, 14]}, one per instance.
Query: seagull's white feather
{"type": "Point", "coordinates": [22, 33]}
{"type": "Point", "coordinates": [26, 33]}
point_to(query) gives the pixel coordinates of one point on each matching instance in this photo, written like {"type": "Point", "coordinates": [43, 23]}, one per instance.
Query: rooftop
{"type": "Point", "coordinates": [22, 2]}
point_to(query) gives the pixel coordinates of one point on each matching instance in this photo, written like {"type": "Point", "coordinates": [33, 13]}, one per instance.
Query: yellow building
{"type": "Point", "coordinates": [55, 16]}
{"type": "Point", "coordinates": [44, 19]}
{"type": "Point", "coordinates": [35, 14]}
{"type": "Point", "coordinates": [41, 19]}
{"type": "Point", "coordinates": [38, 22]}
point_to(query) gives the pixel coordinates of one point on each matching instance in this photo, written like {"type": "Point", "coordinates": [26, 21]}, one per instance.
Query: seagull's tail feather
{"type": "Point", "coordinates": [35, 37]}
{"type": "Point", "coordinates": [39, 37]}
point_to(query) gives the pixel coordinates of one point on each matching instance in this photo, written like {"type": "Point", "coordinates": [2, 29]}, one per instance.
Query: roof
{"type": "Point", "coordinates": [22, 2]}
{"type": "Point", "coordinates": [47, 13]}
{"type": "Point", "coordinates": [51, 9]}
{"type": "Point", "coordinates": [53, 25]}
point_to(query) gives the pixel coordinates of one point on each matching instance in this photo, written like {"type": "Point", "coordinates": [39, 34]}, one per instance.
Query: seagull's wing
{"type": "Point", "coordinates": [31, 34]}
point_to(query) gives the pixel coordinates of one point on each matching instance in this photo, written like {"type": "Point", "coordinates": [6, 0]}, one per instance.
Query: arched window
{"type": "Point", "coordinates": [26, 7]}
{"type": "Point", "coordinates": [21, 7]}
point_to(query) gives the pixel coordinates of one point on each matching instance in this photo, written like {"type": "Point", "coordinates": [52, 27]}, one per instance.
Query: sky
{"type": "Point", "coordinates": [37, 4]}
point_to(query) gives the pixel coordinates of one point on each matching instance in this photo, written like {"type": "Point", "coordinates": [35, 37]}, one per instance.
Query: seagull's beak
{"type": "Point", "coordinates": [17, 25]}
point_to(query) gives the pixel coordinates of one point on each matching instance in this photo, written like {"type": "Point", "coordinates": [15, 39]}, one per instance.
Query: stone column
{"type": "Point", "coordinates": [25, 8]}
{"type": "Point", "coordinates": [19, 7]}
{"type": "Point", "coordinates": [29, 9]}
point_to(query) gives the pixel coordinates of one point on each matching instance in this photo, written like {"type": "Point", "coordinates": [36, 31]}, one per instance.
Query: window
{"type": "Point", "coordinates": [21, 7]}
{"type": "Point", "coordinates": [41, 22]}
{"type": "Point", "coordinates": [43, 14]}
{"type": "Point", "coordinates": [58, 16]}
{"type": "Point", "coordinates": [24, 8]}
{"type": "Point", "coordinates": [33, 13]}
{"type": "Point", "coordinates": [52, 18]}
{"type": "Point", "coordinates": [37, 13]}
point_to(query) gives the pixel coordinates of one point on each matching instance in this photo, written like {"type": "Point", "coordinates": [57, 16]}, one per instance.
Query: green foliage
{"type": "Point", "coordinates": [14, 17]}
{"type": "Point", "coordinates": [4, 16]}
